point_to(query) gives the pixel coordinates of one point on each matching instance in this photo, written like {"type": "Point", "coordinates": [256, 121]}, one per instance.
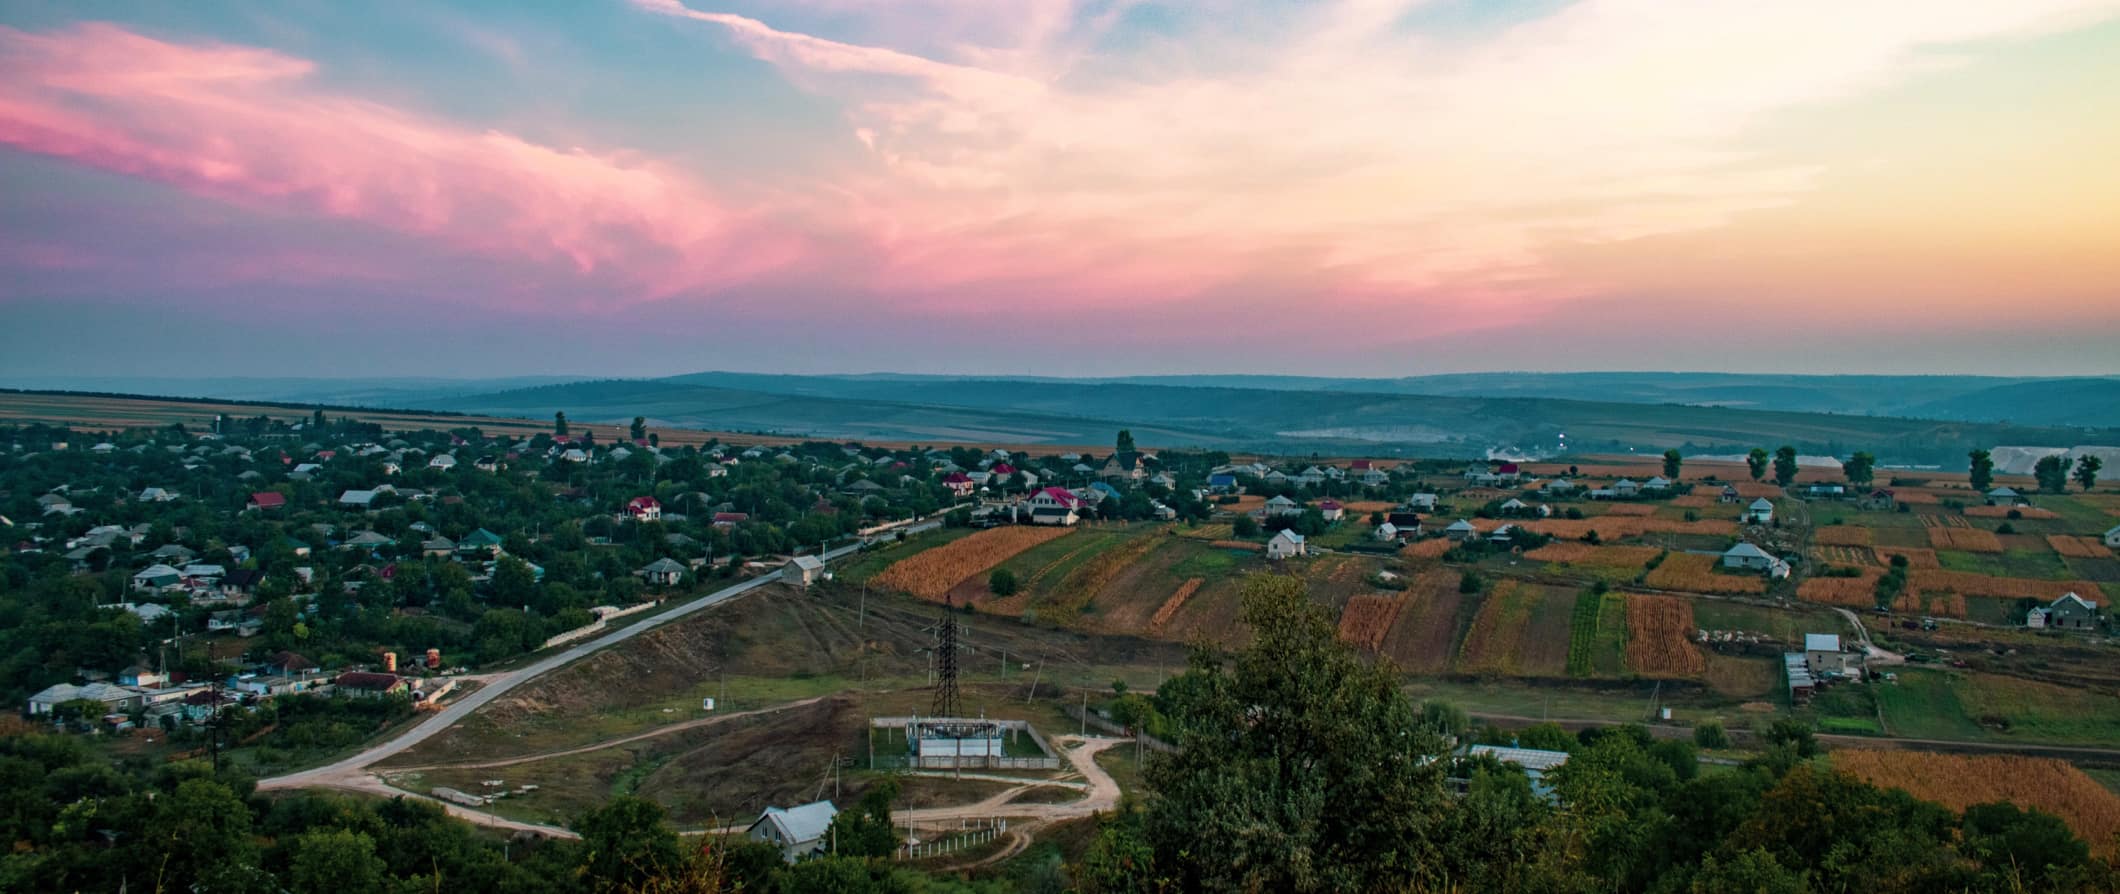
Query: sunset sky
{"type": "Point", "coordinates": [641, 187]}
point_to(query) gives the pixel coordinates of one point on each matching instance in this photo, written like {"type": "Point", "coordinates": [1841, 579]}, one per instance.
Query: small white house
{"type": "Point", "coordinates": [1422, 502]}
{"type": "Point", "coordinates": [1386, 532]}
{"type": "Point", "coordinates": [1625, 488]}
{"type": "Point", "coordinates": [2112, 537]}
{"type": "Point", "coordinates": [1461, 530]}
{"type": "Point", "coordinates": [1747, 557]}
{"type": "Point", "coordinates": [1332, 510]}
{"type": "Point", "coordinates": [1822, 655]}
{"type": "Point", "coordinates": [799, 832]}
{"type": "Point", "coordinates": [1285, 544]}
{"type": "Point", "coordinates": [1280, 505]}
{"type": "Point", "coordinates": [2005, 496]}
{"type": "Point", "coordinates": [1760, 512]}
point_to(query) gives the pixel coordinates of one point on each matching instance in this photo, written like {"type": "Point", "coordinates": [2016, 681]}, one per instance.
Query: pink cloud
{"type": "Point", "coordinates": [248, 126]}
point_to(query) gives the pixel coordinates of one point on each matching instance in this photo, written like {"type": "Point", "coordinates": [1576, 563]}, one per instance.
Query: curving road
{"type": "Point", "coordinates": [353, 774]}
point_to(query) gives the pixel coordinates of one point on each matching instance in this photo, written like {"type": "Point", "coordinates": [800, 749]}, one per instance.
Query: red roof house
{"type": "Point", "coordinates": [644, 509]}
{"type": "Point", "coordinates": [266, 499]}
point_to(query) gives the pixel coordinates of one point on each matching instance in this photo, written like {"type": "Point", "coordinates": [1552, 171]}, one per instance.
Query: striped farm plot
{"type": "Point", "coordinates": [1423, 639]}
{"type": "Point", "coordinates": [1942, 605]}
{"type": "Point", "coordinates": [1842, 535]}
{"type": "Point", "coordinates": [931, 573]}
{"type": "Point", "coordinates": [1170, 606]}
{"type": "Point", "coordinates": [1916, 556]}
{"type": "Point", "coordinates": [1966, 583]}
{"type": "Point", "coordinates": [1695, 573]}
{"type": "Point", "coordinates": [1521, 630]}
{"type": "Point", "coordinates": [1611, 564]}
{"type": "Point", "coordinates": [1846, 592]}
{"type": "Point", "coordinates": [1660, 637]}
{"type": "Point", "coordinates": [1856, 556]}
{"type": "Point", "coordinates": [2032, 512]}
{"type": "Point", "coordinates": [1953, 532]}
{"type": "Point", "coordinates": [2079, 547]}
{"type": "Point", "coordinates": [1367, 620]}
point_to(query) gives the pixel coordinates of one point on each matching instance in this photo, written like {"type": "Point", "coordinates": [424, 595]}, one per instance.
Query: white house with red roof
{"type": "Point", "coordinates": [1332, 510]}
{"type": "Point", "coordinates": [1054, 506]}
{"type": "Point", "coordinates": [645, 509]}
{"type": "Point", "coordinates": [266, 499]}
{"type": "Point", "coordinates": [960, 484]}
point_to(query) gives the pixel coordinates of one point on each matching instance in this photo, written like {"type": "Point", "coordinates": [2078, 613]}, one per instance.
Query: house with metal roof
{"type": "Point", "coordinates": [1760, 512]}
{"type": "Point", "coordinates": [663, 572]}
{"type": "Point", "coordinates": [799, 832]}
{"type": "Point", "coordinates": [1535, 762]}
{"type": "Point", "coordinates": [804, 570]}
{"type": "Point", "coordinates": [1285, 544]}
{"type": "Point", "coordinates": [1747, 557]}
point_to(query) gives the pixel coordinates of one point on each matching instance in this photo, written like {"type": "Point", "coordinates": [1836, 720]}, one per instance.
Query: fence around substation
{"type": "Point", "coordinates": [969, 833]}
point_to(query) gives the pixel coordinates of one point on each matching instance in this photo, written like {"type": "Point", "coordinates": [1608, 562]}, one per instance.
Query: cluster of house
{"type": "Point", "coordinates": [139, 695]}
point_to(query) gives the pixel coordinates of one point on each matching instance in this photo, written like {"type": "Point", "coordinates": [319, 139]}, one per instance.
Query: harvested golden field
{"type": "Point", "coordinates": [2004, 512]}
{"type": "Point", "coordinates": [1841, 535]}
{"type": "Point", "coordinates": [1423, 638]}
{"type": "Point", "coordinates": [1695, 573]}
{"type": "Point", "coordinates": [1575, 552]}
{"type": "Point", "coordinates": [1966, 583]}
{"type": "Point", "coordinates": [930, 574]}
{"type": "Point", "coordinates": [1427, 549]}
{"type": "Point", "coordinates": [1176, 601]}
{"type": "Point", "coordinates": [1209, 532]}
{"type": "Point", "coordinates": [1942, 605]}
{"type": "Point", "coordinates": [1607, 527]}
{"type": "Point", "coordinates": [1366, 620]}
{"type": "Point", "coordinates": [1244, 503]}
{"type": "Point", "coordinates": [1917, 557]}
{"type": "Point", "coordinates": [1637, 510]}
{"type": "Point", "coordinates": [1711, 526]}
{"type": "Point", "coordinates": [1848, 592]}
{"type": "Point", "coordinates": [2079, 547]}
{"type": "Point", "coordinates": [1972, 540]}
{"type": "Point", "coordinates": [1856, 556]}
{"type": "Point", "coordinates": [1078, 588]}
{"type": "Point", "coordinates": [1694, 501]}
{"type": "Point", "coordinates": [1364, 507]}
{"type": "Point", "coordinates": [1239, 544]}
{"type": "Point", "coordinates": [1660, 636]}
{"type": "Point", "coordinates": [1959, 781]}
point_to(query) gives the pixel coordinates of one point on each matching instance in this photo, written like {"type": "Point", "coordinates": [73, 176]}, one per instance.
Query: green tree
{"type": "Point", "coordinates": [202, 839]}
{"type": "Point", "coordinates": [1709, 734]}
{"type": "Point", "coordinates": [335, 861]}
{"type": "Point", "coordinates": [1672, 462]}
{"type": "Point", "coordinates": [1785, 465]}
{"type": "Point", "coordinates": [1126, 440]}
{"type": "Point", "coordinates": [2025, 849]}
{"type": "Point", "coordinates": [513, 582]}
{"type": "Point", "coordinates": [2052, 473]}
{"type": "Point", "coordinates": [1301, 765]}
{"type": "Point", "coordinates": [1245, 526]}
{"type": "Point", "coordinates": [1751, 872]}
{"type": "Point", "coordinates": [1002, 582]}
{"type": "Point", "coordinates": [2087, 470]}
{"type": "Point", "coordinates": [866, 830]}
{"type": "Point", "coordinates": [1860, 469]}
{"type": "Point", "coordinates": [1981, 470]}
{"type": "Point", "coordinates": [1757, 461]}
{"type": "Point", "coordinates": [639, 430]}
{"type": "Point", "coordinates": [625, 843]}
{"type": "Point", "coordinates": [559, 423]}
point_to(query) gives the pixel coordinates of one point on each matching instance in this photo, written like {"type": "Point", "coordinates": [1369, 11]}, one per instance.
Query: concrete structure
{"type": "Point", "coordinates": [1823, 657]}
{"type": "Point", "coordinates": [804, 571]}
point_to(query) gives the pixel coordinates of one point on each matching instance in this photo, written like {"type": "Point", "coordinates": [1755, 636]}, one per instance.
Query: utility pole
{"type": "Point", "coordinates": [1085, 712]}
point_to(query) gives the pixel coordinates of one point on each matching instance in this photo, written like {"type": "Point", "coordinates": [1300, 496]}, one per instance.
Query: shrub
{"type": "Point", "coordinates": [1002, 582]}
{"type": "Point", "coordinates": [1710, 735]}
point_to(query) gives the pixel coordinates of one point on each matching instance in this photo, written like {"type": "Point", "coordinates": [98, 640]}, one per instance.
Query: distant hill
{"type": "Point", "coordinates": [2084, 402]}
{"type": "Point", "coordinates": [919, 408]}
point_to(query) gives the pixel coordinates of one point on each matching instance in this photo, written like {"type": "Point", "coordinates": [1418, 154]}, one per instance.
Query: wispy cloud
{"type": "Point", "coordinates": [1338, 142]}
{"type": "Point", "coordinates": [251, 126]}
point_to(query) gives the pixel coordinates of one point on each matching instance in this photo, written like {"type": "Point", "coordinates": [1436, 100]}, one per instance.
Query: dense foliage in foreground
{"type": "Point", "coordinates": [1301, 767]}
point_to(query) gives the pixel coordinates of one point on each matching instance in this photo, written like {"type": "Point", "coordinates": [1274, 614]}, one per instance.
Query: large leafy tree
{"type": "Point", "coordinates": [1301, 765]}
{"type": "Point", "coordinates": [1673, 461]}
{"type": "Point", "coordinates": [1785, 465]}
{"type": "Point", "coordinates": [1980, 469]}
{"type": "Point", "coordinates": [2087, 469]}
{"type": "Point", "coordinates": [2052, 473]}
{"type": "Point", "coordinates": [1860, 469]}
{"type": "Point", "coordinates": [1757, 461]}
{"type": "Point", "coordinates": [626, 843]}
{"type": "Point", "coordinates": [866, 830]}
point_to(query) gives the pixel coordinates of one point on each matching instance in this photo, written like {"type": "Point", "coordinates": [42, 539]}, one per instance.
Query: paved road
{"type": "Point", "coordinates": [352, 772]}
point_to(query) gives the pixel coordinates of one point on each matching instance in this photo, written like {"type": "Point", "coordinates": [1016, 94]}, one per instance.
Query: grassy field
{"type": "Point", "coordinates": [1940, 704]}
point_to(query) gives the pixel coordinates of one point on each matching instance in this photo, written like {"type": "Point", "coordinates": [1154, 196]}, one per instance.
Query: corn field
{"type": "Point", "coordinates": [1366, 620]}
{"type": "Point", "coordinates": [1959, 781]}
{"type": "Point", "coordinates": [1694, 573]}
{"type": "Point", "coordinates": [1660, 636]}
{"type": "Point", "coordinates": [1170, 606]}
{"type": "Point", "coordinates": [930, 574]}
